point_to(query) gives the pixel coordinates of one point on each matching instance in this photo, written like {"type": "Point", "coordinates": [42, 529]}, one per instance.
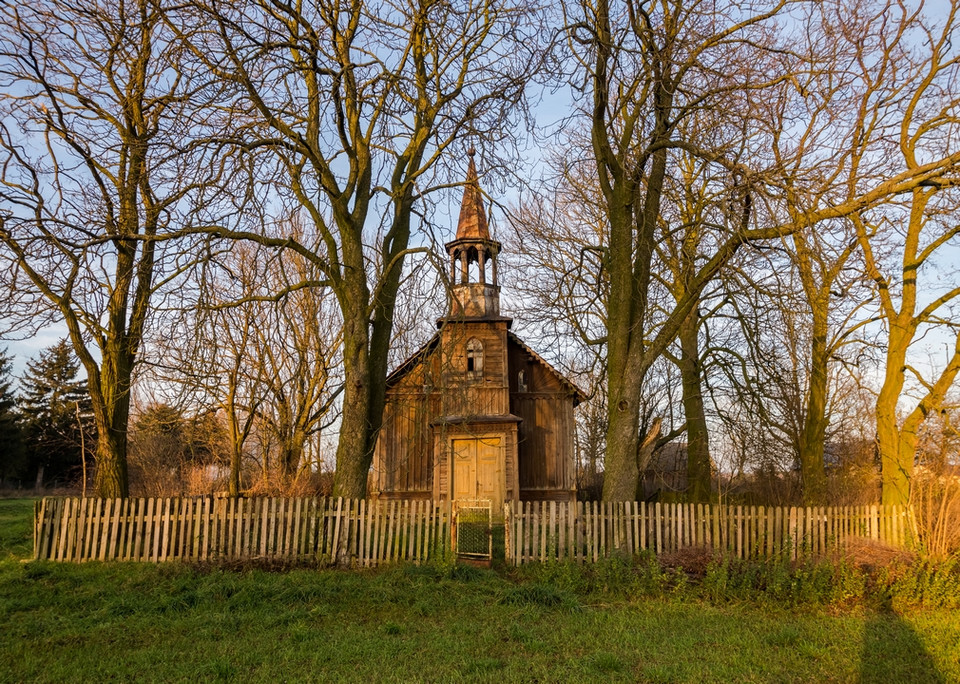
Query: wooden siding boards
{"type": "Point", "coordinates": [431, 397]}
{"type": "Point", "coordinates": [546, 434]}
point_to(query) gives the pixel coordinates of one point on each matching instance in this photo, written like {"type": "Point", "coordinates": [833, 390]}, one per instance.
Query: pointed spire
{"type": "Point", "coordinates": [473, 218]}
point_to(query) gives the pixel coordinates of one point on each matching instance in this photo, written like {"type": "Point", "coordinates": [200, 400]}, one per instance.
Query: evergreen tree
{"type": "Point", "coordinates": [12, 454]}
{"type": "Point", "coordinates": [54, 405]}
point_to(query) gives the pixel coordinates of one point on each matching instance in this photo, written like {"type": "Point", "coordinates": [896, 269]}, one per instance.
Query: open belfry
{"type": "Point", "coordinates": [475, 414]}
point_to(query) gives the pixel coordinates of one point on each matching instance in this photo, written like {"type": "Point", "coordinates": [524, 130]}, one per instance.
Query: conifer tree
{"type": "Point", "coordinates": [54, 405]}
{"type": "Point", "coordinates": [12, 462]}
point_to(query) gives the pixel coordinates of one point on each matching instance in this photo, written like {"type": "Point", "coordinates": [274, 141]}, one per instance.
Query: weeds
{"type": "Point", "coordinates": [539, 594]}
{"type": "Point", "coordinates": [808, 582]}
{"type": "Point", "coordinates": [629, 619]}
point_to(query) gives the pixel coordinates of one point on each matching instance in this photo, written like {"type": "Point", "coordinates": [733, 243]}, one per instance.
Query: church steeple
{"type": "Point", "coordinates": [473, 219]}
{"type": "Point", "coordinates": [472, 295]}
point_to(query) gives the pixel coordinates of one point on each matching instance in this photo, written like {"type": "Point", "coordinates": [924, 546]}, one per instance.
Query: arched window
{"type": "Point", "coordinates": [474, 358]}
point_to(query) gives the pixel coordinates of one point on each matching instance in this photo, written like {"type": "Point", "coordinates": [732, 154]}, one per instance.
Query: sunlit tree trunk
{"type": "Point", "coordinates": [691, 378]}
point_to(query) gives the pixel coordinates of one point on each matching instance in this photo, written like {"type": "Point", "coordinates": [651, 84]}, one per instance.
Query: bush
{"type": "Point", "coordinates": [935, 496]}
{"type": "Point", "coordinates": [927, 584]}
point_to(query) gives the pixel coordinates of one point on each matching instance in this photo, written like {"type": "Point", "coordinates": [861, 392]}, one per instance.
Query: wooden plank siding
{"type": "Point", "coordinates": [405, 462]}
{"type": "Point", "coordinates": [544, 531]}
{"type": "Point", "coordinates": [305, 529]}
{"type": "Point", "coordinates": [545, 432]}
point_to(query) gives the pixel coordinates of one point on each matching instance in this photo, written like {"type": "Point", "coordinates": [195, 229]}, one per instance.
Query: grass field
{"type": "Point", "coordinates": [177, 623]}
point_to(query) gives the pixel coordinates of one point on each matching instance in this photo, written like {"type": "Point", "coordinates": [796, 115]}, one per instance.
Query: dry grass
{"type": "Point", "coordinates": [869, 555]}
{"type": "Point", "coordinates": [935, 496]}
{"type": "Point", "coordinates": [693, 560]}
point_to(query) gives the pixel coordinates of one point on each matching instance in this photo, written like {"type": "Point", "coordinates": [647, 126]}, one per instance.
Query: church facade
{"type": "Point", "coordinates": [475, 414]}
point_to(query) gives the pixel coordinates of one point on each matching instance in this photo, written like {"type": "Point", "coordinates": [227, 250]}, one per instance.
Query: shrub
{"type": "Point", "coordinates": [928, 583]}
{"type": "Point", "coordinates": [935, 496]}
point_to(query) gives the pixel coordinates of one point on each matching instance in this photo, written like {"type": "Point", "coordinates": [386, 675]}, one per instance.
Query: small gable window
{"type": "Point", "coordinates": [474, 358]}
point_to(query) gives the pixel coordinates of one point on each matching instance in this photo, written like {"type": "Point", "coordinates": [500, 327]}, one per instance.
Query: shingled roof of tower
{"type": "Point", "coordinates": [473, 219]}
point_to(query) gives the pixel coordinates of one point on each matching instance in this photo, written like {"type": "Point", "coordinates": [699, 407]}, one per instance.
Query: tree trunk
{"type": "Point", "coordinates": [812, 470]}
{"type": "Point", "coordinates": [291, 455]}
{"type": "Point", "coordinates": [698, 445]}
{"type": "Point", "coordinates": [233, 486]}
{"type": "Point", "coordinates": [110, 397]}
{"type": "Point", "coordinates": [354, 448]}
{"type": "Point", "coordinates": [110, 479]}
{"type": "Point", "coordinates": [366, 343]}
{"type": "Point", "coordinates": [898, 443]}
{"type": "Point", "coordinates": [896, 458]}
{"type": "Point", "coordinates": [621, 473]}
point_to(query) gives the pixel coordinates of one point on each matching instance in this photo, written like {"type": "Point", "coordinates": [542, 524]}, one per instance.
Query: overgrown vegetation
{"type": "Point", "coordinates": [687, 620]}
{"type": "Point", "coordinates": [840, 584]}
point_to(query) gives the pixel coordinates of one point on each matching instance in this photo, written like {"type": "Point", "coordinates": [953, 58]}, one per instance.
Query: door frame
{"type": "Point", "coordinates": [450, 455]}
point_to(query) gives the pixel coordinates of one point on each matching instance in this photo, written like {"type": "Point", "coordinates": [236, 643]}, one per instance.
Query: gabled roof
{"type": "Point", "coordinates": [411, 362]}
{"type": "Point", "coordinates": [566, 382]}
{"type": "Point", "coordinates": [424, 351]}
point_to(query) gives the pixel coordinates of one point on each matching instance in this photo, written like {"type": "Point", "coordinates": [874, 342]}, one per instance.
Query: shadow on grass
{"type": "Point", "coordinates": [893, 652]}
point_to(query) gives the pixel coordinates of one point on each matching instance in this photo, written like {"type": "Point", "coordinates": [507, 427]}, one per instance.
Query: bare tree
{"type": "Point", "coordinates": [261, 350]}
{"type": "Point", "coordinates": [299, 342]}
{"type": "Point", "coordinates": [649, 67]}
{"type": "Point", "coordinates": [214, 366]}
{"type": "Point", "coordinates": [762, 117]}
{"type": "Point", "coordinates": [695, 213]}
{"type": "Point", "coordinates": [97, 163]}
{"type": "Point", "coordinates": [354, 105]}
{"type": "Point", "coordinates": [906, 98]}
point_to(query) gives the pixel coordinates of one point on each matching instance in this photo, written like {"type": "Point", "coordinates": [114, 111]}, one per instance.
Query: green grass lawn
{"type": "Point", "coordinates": [117, 621]}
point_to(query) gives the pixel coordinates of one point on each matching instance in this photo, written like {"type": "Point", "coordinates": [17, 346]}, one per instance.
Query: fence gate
{"type": "Point", "coordinates": [472, 531]}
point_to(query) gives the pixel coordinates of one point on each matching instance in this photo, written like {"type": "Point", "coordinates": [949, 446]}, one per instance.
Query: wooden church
{"type": "Point", "coordinates": [476, 414]}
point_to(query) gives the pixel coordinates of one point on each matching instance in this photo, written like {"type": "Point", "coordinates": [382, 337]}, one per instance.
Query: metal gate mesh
{"type": "Point", "coordinates": [474, 531]}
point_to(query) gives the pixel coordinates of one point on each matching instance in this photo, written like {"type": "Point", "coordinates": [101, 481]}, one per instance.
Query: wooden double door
{"type": "Point", "coordinates": [478, 472]}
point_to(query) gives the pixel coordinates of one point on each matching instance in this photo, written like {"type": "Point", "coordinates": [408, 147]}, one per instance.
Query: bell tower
{"type": "Point", "coordinates": [475, 292]}
{"type": "Point", "coordinates": [475, 415]}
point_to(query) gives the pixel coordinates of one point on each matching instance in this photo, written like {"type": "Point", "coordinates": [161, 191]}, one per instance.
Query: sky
{"type": "Point", "coordinates": [549, 111]}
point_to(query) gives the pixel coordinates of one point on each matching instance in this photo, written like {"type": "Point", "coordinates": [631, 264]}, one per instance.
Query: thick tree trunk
{"type": "Point", "coordinates": [110, 397]}
{"type": "Point", "coordinates": [620, 475]}
{"type": "Point", "coordinates": [355, 446]}
{"type": "Point", "coordinates": [366, 343]}
{"type": "Point", "coordinates": [621, 472]}
{"type": "Point", "coordinates": [812, 469]}
{"type": "Point", "coordinates": [698, 446]}
{"type": "Point", "coordinates": [233, 486]}
{"type": "Point", "coordinates": [896, 456]}
{"type": "Point", "coordinates": [898, 443]}
{"type": "Point", "coordinates": [110, 479]}
{"type": "Point", "coordinates": [354, 450]}
{"type": "Point", "coordinates": [291, 455]}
